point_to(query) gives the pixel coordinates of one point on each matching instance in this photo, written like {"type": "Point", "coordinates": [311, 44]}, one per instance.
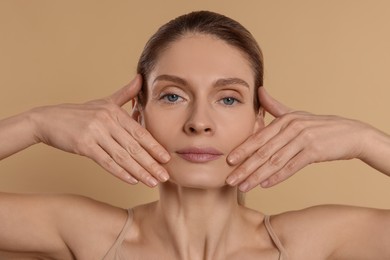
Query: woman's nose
{"type": "Point", "coordinates": [199, 122]}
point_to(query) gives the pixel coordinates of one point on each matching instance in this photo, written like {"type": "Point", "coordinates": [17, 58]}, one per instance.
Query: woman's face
{"type": "Point", "coordinates": [200, 107]}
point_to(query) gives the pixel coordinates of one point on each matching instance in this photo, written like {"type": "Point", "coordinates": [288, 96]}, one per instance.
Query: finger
{"type": "Point", "coordinates": [144, 138]}
{"type": "Point", "coordinates": [104, 160]}
{"type": "Point", "coordinates": [138, 153]}
{"type": "Point", "coordinates": [124, 160]}
{"type": "Point", "coordinates": [294, 122]}
{"type": "Point", "coordinates": [128, 92]}
{"type": "Point", "coordinates": [277, 161]}
{"type": "Point", "coordinates": [269, 152]}
{"type": "Point", "coordinates": [271, 105]}
{"type": "Point", "coordinates": [293, 166]}
{"type": "Point", "coordinates": [252, 144]}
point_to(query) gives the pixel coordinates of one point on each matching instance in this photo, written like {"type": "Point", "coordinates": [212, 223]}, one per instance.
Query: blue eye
{"type": "Point", "coordinates": [170, 98]}
{"type": "Point", "coordinates": [229, 101]}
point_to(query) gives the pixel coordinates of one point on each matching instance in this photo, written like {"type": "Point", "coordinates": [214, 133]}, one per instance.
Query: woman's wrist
{"type": "Point", "coordinates": [16, 134]}
{"type": "Point", "coordinates": [32, 122]}
{"type": "Point", "coordinates": [376, 149]}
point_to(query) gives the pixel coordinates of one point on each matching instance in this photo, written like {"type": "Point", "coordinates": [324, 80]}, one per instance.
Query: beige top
{"type": "Point", "coordinates": [282, 252]}
{"type": "Point", "coordinates": [115, 251]}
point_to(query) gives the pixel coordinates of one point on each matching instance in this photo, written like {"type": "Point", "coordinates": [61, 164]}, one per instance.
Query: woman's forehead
{"type": "Point", "coordinates": [199, 56]}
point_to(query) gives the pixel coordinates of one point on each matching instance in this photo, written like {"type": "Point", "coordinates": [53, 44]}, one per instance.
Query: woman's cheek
{"type": "Point", "coordinates": [239, 128]}
{"type": "Point", "coordinates": [159, 128]}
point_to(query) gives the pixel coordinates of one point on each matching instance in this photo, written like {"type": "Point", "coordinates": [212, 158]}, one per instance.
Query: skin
{"type": "Point", "coordinates": [196, 207]}
{"type": "Point", "coordinates": [296, 139]}
{"type": "Point", "coordinates": [101, 130]}
{"type": "Point", "coordinates": [201, 116]}
{"type": "Point", "coordinates": [197, 216]}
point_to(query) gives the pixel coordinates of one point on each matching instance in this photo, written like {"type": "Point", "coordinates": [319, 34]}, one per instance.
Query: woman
{"type": "Point", "coordinates": [202, 100]}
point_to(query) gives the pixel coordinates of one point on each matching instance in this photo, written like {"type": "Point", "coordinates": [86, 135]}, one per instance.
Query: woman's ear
{"type": "Point", "coordinates": [259, 124]}
{"type": "Point", "coordinates": [137, 112]}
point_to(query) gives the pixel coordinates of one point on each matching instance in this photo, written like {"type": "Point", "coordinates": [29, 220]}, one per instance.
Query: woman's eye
{"type": "Point", "coordinates": [170, 98]}
{"type": "Point", "coordinates": [229, 101]}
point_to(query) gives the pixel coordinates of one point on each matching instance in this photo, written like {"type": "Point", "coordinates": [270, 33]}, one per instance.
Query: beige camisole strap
{"type": "Point", "coordinates": [114, 253]}
{"type": "Point", "coordinates": [282, 252]}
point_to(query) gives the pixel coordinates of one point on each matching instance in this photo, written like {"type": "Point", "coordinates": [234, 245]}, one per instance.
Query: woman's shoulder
{"type": "Point", "coordinates": [88, 225]}
{"type": "Point", "coordinates": [71, 207]}
{"type": "Point", "coordinates": [316, 228]}
{"type": "Point", "coordinates": [62, 225]}
{"type": "Point", "coordinates": [317, 216]}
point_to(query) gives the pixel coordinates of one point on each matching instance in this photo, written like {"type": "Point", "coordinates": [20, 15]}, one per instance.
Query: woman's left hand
{"type": "Point", "coordinates": [290, 142]}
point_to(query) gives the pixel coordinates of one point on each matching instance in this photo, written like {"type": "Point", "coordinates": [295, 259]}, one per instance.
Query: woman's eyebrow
{"type": "Point", "coordinates": [231, 81]}
{"type": "Point", "coordinates": [175, 79]}
{"type": "Point", "coordinates": [219, 83]}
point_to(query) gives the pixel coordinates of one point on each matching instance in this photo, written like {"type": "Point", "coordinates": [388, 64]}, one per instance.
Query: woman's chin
{"type": "Point", "coordinates": [197, 182]}
{"type": "Point", "coordinates": [210, 175]}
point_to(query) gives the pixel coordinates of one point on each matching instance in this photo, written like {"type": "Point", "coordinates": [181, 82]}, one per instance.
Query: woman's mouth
{"type": "Point", "coordinates": [199, 155]}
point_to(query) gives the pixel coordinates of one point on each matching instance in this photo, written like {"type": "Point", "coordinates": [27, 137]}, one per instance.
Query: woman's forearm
{"type": "Point", "coordinates": [376, 151]}
{"type": "Point", "coordinates": [16, 134]}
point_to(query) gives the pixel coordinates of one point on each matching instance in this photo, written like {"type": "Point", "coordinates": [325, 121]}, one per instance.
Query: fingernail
{"type": "Point", "coordinates": [132, 180]}
{"type": "Point", "coordinates": [233, 158]}
{"type": "Point", "coordinates": [152, 181]}
{"type": "Point", "coordinates": [232, 180]}
{"type": "Point", "coordinates": [163, 176]}
{"type": "Point", "coordinates": [244, 187]}
{"type": "Point", "coordinates": [165, 157]}
{"type": "Point", "coordinates": [264, 184]}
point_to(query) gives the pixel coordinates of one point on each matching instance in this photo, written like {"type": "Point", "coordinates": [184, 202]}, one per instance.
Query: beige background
{"type": "Point", "coordinates": [328, 57]}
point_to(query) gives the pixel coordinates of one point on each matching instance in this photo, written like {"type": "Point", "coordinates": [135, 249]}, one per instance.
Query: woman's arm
{"type": "Point", "coordinates": [292, 141]}
{"type": "Point", "coordinates": [296, 139]}
{"type": "Point", "coordinates": [28, 227]}
{"type": "Point", "coordinates": [16, 134]}
{"type": "Point", "coordinates": [361, 233]}
{"type": "Point", "coordinates": [335, 232]}
{"type": "Point", "coordinates": [376, 150]}
{"type": "Point", "coordinates": [69, 227]}
{"type": "Point", "coordinates": [99, 129]}
{"type": "Point", "coordinates": [57, 226]}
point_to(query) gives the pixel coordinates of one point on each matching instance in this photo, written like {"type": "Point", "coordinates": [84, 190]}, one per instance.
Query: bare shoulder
{"type": "Point", "coordinates": [63, 226]}
{"type": "Point", "coordinates": [88, 225]}
{"type": "Point", "coordinates": [321, 230]}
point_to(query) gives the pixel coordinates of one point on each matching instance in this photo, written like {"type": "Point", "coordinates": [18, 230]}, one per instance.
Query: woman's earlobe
{"type": "Point", "coordinates": [259, 124]}
{"type": "Point", "coordinates": [136, 112]}
{"type": "Point", "coordinates": [261, 113]}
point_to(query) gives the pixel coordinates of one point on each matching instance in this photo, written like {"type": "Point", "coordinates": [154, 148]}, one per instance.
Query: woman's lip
{"type": "Point", "coordinates": [199, 155]}
{"type": "Point", "coordinates": [197, 150]}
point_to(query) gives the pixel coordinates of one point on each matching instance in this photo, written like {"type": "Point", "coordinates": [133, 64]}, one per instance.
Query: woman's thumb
{"type": "Point", "coordinates": [271, 105]}
{"type": "Point", "coordinates": [128, 92]}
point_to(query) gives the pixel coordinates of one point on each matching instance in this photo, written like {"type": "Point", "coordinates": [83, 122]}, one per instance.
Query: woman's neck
{"type": "Point", "coordinates": [198, 222]}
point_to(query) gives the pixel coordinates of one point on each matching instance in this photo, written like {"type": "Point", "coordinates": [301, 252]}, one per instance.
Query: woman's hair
{"type": "Point", "coordinates": [201, 22]}
{"type": "Point", "coordinates": [207, 23]}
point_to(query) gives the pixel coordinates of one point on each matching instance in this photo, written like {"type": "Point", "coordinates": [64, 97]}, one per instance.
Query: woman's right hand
{"type": "Point", "coordinates": [103, 131]}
